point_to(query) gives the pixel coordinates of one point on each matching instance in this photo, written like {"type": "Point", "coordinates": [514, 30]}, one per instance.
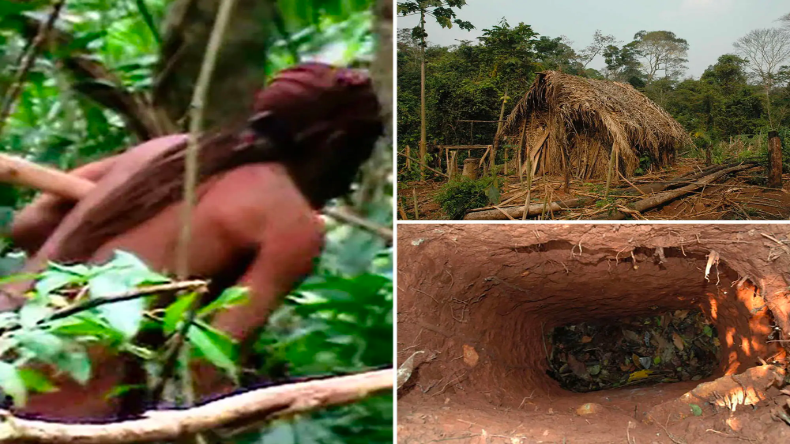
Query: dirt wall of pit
{"type": "Point", "coordinates": [478, 299]}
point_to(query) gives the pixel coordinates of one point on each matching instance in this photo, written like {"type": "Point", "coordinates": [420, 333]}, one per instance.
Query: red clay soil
{"type": "Point", "coordinates": [478, 300]}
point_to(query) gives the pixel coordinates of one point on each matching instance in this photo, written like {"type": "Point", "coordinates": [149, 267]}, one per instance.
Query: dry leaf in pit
{"type": "Point", "coordinates": [632, 336]}
{"type": "Point", "coordinates": [586, 339]}
{"type": "Point", "coordinates": [578, 368]}
{"type": "Point", "coordinates": [678, 341]}
{"type": "Point", "coordinates": [641, 374]}
{"type": "Point", "coordinates": [681, 314]}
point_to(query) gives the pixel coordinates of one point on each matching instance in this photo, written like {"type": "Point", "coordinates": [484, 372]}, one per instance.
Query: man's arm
{"type": "Point", "coordinates": [34, 223]}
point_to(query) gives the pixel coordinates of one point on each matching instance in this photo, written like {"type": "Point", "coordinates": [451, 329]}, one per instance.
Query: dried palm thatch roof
{"type": "Point", "coordinates": [586, 119]}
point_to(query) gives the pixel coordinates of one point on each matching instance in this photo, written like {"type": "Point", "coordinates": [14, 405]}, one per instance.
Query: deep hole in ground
{"type": "Point", "coordinates": [480, 300]}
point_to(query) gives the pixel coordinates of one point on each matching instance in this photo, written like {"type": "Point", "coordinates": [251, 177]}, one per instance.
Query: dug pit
{"type": "Point", "coordinates": [476, 303]}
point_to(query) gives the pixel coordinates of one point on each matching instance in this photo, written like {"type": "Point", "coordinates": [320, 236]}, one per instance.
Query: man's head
{"type": "Point", "coordinates": [330, 115]}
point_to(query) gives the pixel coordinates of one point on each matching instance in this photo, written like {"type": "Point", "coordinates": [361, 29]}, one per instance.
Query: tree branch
{"type": "Point", "coordinates": [167, 425]}
{"type": "Point", "coordinates": [352, 219]}
{"type": "Point", "coordinates": [27, 63]}
{"type": "Point", "coordinates": [96, 82]}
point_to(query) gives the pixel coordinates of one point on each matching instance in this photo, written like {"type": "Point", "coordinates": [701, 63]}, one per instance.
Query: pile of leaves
{"type": "Point", "coordinates": [459, 196]}
{"type": "Point", "coordinates": [676, 346]}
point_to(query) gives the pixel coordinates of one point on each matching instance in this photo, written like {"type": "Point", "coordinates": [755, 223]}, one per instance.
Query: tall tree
{"type": "Point", "coordinates": [597, 47]}
{"type": "Point", "coordinates": [661, 51]}
{"type": "Point", "coordinates": [442, 11]}
{"type": "Point", "coordinates": [765, 50]}
{"type": "Point", "coordinates": [622, 64]}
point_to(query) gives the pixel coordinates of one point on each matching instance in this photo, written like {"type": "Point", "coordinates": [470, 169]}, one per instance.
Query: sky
{"type": "Point", "coordinates": [709, 26]}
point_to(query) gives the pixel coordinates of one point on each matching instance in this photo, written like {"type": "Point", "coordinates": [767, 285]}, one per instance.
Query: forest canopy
{"type": "Point", "coordinates": [469, 80]}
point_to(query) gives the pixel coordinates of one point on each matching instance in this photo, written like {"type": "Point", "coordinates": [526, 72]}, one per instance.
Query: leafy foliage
{"type": "Point", "coordinates": [458, 196]}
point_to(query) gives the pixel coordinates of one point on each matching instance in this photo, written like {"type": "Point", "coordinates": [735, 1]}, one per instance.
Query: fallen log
{"type": "Point", "coordinates": [535, 209]}
{"type": "Point", "coordinates": [667, 196]}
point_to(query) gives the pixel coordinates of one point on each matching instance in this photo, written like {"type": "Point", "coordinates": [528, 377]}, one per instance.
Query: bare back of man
{"type": "Point", "coordinates": [251, 226]}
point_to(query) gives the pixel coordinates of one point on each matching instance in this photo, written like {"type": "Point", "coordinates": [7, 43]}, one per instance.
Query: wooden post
{"type": "Point", "coordinates": [416, 210]}
{"type": "Point", "coordinates": [408, 157]}
{"type": "Point", "coordinates": [775, 156]}
{"type": "Point", "coordinates": [708, 154]}
{"type": "Point", "coordinates": [471, 168]}
{"type": "Point", "coordinates": [522, 145]}
{"type": "Point", "coordinates": [529, 187]}
{"type": "Point", "coordinates": [447, 158]}
{"type": "Point", "coordinates": [612, 158]}
{"type": "Point", "coordinates": [506, 158]}
{"type": "Point", "coordinates": [567, 161]}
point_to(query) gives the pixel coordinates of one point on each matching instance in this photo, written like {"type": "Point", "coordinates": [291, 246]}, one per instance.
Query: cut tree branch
{"type": "Point", "coordinates": [167, 425]}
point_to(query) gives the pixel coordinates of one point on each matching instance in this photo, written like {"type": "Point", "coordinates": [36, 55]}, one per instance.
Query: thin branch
{"type": "Point", "coordinates": [149, 20]}
{"type": "Point", "coordinates": [167, 425]}
{"type": "Point", "coordinates": [27, 63]}
{"type": "Point", "coordinates": [195, 127]}
{"type": "Point", "coordinates": [132, 294]}
{"type": "Point", "coordinates": [352, 219]}
{"type": "Point", "coordinates": [170, 357]}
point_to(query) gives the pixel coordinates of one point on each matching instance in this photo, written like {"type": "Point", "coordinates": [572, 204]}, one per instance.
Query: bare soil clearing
{"type": "Point", "coordinates": [479, 300]}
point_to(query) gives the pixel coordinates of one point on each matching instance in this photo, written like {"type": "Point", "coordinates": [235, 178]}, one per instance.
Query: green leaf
{"type": "Point", "coordinates": [52, 280]}
{"type": "Point", "coordinates": [76, 363]}
{"type": "Point", "coordinates": [34, 311]}
{"type": "Point", "coordinates": [8, 7]}
{"type": "Point", "coordinates": [696, 410]}
{"type": "Point", "coordinates": [8, 319]}
{"type": "Point", "coordinates": [123, 316]}
{"type": "Point", "coordinates": [85, 325]}
{"type": "Point", "coordinates": [36, 381]}
{"type": "Point", "coordinates": [212, 348]}
{"type": "Point", "coordinates": [44, 346]}
{"type": "Point", "coordinates": [12, 384]}
{"type": "Point", "coordinates": [708, 331]}
{"type": "Point", "coordinates": [230, 297]}
{"type": "Point", "coordinates": [176, 311]}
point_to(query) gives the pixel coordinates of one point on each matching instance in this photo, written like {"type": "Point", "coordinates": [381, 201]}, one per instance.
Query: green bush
{"type": "Point", "coordinates": [459, 196]}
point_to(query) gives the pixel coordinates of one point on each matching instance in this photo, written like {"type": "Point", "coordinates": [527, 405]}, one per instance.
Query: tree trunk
{"type": "Point", "coordinates": [471, 168]}
{"type": "Point", "coordinates": [775, 156]}
{"type": "Point", "coordinates": [492, 160]}
{"type": "Point", "coordinates": [241, 61]}
{"type": "Point", "coordinates": [423, 149]}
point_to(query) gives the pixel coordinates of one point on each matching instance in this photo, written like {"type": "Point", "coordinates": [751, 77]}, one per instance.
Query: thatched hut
{"type": "Point", "coordinates": [582, 122]}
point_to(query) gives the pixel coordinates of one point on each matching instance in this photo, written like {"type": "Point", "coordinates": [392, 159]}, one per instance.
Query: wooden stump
{"type": "Point", "coordinates": [775, 155]}
{"type": "Point", "coordinates": [471, 168]}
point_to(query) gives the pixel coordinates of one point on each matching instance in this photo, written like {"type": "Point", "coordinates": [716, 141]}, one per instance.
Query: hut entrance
{"type": "Point", "coordinates": [507, 316]}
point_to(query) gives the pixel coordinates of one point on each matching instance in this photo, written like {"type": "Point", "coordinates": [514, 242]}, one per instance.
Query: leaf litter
{"type": "Point", "coordinates": [680, 345]}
